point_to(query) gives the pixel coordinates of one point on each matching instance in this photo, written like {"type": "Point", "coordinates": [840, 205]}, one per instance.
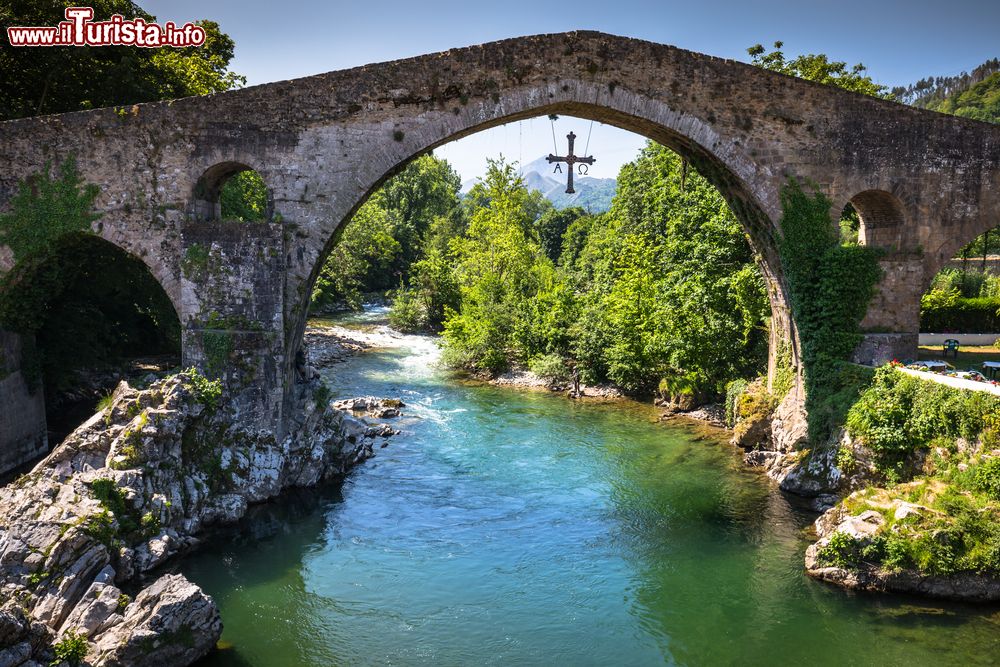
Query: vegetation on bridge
{"type": "Point", "coordinates": [830, 284]}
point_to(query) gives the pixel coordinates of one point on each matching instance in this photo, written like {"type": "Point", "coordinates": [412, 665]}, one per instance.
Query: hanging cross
{"type": "Point", "coordinates": [570, 160]}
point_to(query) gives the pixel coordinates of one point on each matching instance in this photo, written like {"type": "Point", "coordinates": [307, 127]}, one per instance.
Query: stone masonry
{"type": "Point", "coordinates": [23, 435]}
{"type": "Point", "coordinates": [924, 183]}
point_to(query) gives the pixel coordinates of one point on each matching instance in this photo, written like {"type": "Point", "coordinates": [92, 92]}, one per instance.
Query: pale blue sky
{"type": "Point", "coordinates": [899, 41]}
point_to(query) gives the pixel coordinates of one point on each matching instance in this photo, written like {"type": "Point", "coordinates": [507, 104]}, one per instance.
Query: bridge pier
{"type": "Point", "coordinates": [892, 324]}
{"type": "Point", "coordinates": [232, 296]}
{"type": "Point", "coordinates": [23, 433]}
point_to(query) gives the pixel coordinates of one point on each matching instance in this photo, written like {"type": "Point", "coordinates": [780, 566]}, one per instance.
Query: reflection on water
{"type": "Point", "coordinates": [521, 528]}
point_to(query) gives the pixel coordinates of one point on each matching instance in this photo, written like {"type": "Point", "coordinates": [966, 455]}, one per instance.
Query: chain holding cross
{"type": "Point", "coordinates": [570, 160]}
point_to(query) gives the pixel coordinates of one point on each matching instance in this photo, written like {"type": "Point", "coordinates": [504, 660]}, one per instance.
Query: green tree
{"type": "Point", "coordinates": [818, 68]}
{"type": "Point", "coordinates": [361, 261]}
{"type": "Point", "coordinates": [413, 211]}
{"type": "Point", "coordinates": [668, 284]}
{"type": "Point", "coordinates": [37, 81]}
{"type": "Point", "coordinates": [243, 197]}
{"type": "Point", "coordinates": [501, 270]}
{"type": "Point", "coordinates": [425, 190]}
{"type": "Point", "coordinates": [552, 226]}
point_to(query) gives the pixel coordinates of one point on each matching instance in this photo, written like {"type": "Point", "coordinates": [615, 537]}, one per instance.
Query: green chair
{"type": "Point", "coordinates": [950, 345]}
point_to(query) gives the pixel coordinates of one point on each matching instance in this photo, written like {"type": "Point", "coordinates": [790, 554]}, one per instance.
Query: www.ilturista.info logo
{"type": "Point", "coordinates": [79, 30]}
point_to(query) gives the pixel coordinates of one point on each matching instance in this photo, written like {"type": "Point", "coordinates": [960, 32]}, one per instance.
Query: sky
{"type": "Point", "coordinates": [899, 41]}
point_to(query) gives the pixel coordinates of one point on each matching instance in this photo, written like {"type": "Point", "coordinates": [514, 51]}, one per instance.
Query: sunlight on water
{"type": "Point", "coordinates": [520, 528]}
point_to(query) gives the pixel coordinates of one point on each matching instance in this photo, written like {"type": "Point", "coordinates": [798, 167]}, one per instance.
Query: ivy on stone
{"type": "Point", "coordinates": [830, 285]}
{"type": "Point", "coordinates": [46, 208]}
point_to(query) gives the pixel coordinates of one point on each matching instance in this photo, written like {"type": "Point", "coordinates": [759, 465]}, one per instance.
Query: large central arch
{"type": "Point", "coordinates": [719, 159]}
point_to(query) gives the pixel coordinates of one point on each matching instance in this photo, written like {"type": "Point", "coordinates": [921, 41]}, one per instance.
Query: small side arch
{"type": "Point", "coordinates": [883, 219]}
{"type": "Point", "coordinates": [209, 198]}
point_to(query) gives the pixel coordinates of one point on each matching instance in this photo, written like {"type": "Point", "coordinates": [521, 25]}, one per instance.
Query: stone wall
{"type": "Point", "coordinates": [22, 413]}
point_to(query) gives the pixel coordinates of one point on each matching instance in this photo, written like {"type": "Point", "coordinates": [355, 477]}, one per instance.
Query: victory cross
{"type": "Point", "coordinates": [570, 160]}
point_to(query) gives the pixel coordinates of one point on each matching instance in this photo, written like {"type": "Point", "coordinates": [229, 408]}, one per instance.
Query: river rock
{"type": "Point", "coordinates": [172, 622]}
{"type": "Point", "coordinates": [325, 346]}
{"type": "Point", "coordinates": [380, 408]}
{"type": "Point", "coordinates": [167, 466]}
{"type": "Point", "coordinates": [863, 526]}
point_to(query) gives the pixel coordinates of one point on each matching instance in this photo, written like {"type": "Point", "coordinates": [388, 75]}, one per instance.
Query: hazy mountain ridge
{"type": "Point", "coordinates": [592, 194]}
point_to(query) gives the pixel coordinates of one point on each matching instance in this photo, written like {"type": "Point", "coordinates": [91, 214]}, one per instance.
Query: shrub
{"type": "Point", "coordinates": [105, 402]}
{"type": "Point", "coordinates": [841, 551]}
{"type": "Point", "coordinates": [72, 648]}
{"type": "Point", "coordinates": [550, 367]}
{"type": "Point", "coordinates": [205, 391]}
{"type": "Point", "coordinates": [899, 414]}
{"type": "Point", "coordinates": [755, 403]}
{"type": "Point", "coordinates": [949, 312]}
{"type": "Point", "coordinates": [406, 313]}
{"type": "Point", "coordinates": [986, 478]}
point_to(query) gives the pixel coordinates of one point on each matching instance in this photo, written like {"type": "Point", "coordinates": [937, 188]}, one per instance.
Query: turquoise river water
{"type": "Point", "coordinates": [505, 527]}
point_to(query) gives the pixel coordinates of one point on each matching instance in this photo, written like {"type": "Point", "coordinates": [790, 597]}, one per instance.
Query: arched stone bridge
{"type": "Point", "coordinates": [924, 183]}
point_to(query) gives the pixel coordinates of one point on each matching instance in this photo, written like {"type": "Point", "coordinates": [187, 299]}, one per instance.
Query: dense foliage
{"type": "Point", "coordinates": [931, 91]}
{"type": "Point", "coordinates": [243, 197]}
{"type": "Point", "coordinates": [36, 81]}
{"type": "Point", "coordinates": [662, 287]}
{"type": "Point", "coordinates": [400, 221]}
{"type": "Point", "coordinates": [962, 301]}
{"type": "Point", "coordinates": [668, 285]}
{"type": "Point", "coordinates": [900, 414]}
{"type": "Point", "coordinates": [937, 443]}
{"type": "Point", "coordinates": [818, 68]}
{"type": "Point", "coordinates": [946, 312]}
{"type": "Point", "coordinates": [830, 284]}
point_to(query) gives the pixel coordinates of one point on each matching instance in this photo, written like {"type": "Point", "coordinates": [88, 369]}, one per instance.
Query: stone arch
{"type": "Point", "coordinates": [205, 205]}
{"type": "Point", "coordinates": [883, 219]}
{"type": "Point", "coordinates": [950, 245]}
{"type": "Point", "coordinates": [752, 193]}
{"type": "Point", "coordinates": [82, 305]}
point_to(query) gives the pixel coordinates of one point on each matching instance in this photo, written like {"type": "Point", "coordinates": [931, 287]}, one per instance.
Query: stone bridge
{"type": "Point", "coordinates": [923, 183]}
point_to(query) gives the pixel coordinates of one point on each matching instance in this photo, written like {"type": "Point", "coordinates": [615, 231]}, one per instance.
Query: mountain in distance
{"type": "Point", "coordinates": [592, 194]}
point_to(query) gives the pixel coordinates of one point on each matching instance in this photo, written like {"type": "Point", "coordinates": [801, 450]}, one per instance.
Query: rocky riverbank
{"type": "Point", "coordinates": [853, 550]}
{"type": "Point", "coordinates": [525, 379]}
{"type": "Point", "coordinates": [83, 535]}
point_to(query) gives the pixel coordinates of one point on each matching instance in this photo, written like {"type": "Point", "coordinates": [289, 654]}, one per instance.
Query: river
{"type": "Point", "coordinates": [507, 527]}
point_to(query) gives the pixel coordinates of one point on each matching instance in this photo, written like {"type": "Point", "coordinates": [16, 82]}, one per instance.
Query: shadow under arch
{"type": "Point", "coordinates": [722, 161]}
{"type": "Point", "coordinates": [882, 219]}
{"type": "Point", "coordinates": [82, 308]}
